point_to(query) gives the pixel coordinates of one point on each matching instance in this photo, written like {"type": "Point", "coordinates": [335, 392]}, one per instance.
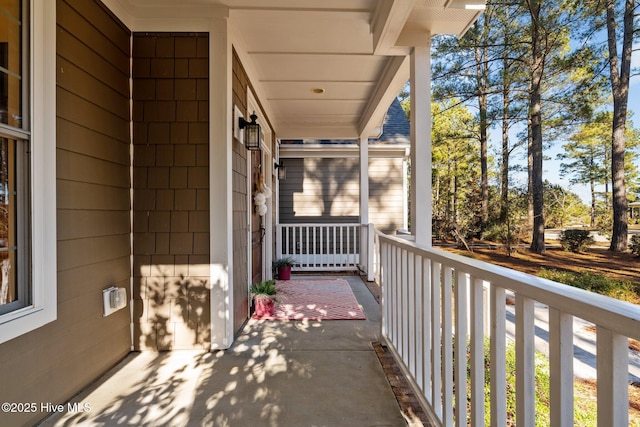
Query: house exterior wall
{"type": "Point", "coordinates": [326, 190]}
{"type": "Point", "coordinates": [320, 190]}
{"type": "Point", "coordinates": [247, 166]}
{"type": "Point", "coordinates": [171, 191]}
{"type": "Point", "coordinates": [54, 362]}
{"type": "Point", "coordinates": [240, 186]}
{"type": "Point", "coordinates": [387, 197]}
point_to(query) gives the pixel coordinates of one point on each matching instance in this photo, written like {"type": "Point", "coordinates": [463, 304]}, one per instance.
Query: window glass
{"type": "Point", "coordinates": [9, 291]}
{"type": "Point", "coordinates": [11, 63]}
{"type": "Point", "coordinates": [14, 164]}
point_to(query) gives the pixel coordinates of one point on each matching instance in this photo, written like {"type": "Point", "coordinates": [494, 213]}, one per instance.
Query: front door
{"type": "Point", "coordinates": [257, 226]}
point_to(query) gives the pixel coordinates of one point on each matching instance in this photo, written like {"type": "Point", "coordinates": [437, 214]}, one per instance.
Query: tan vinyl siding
{"type": "Point", "coordinates": [386, 196]}
{"type": "Point", "coordinates": [326, 190]}
{"type": "Point", "coordinates": [239, 183]}
{"type": "Point", "coordinates": [320, 191]}
{"type": "Point", "coordinates": [171, 184]}
{"type": "Point", "coordinates": [53, 363]}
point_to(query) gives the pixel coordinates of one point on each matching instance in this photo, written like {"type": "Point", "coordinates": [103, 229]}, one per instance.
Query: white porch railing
{"type": "Point", "coordinates": [318, 247]}
{"type": "Point", "coordinates": [430, 297]}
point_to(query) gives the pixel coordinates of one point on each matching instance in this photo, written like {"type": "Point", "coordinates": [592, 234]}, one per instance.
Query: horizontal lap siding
{"type": "Point", "coordinates": [171, 187]}
{"type": "Point", "coordinates": [327, 191]}
{"type": "Point", "coordinates": [239, 199]}
{"type": "Point", "coordinates": [320, 191]}
{"type": "Point", "coordinates": [386, 197]}
{"type": "Point", "coordinates": [92, 218]}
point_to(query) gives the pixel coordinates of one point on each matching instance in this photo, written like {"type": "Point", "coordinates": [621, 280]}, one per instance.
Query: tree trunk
{"type": "Point", "coordinates": [482, 81]}
{"type": "Point", "coordinates": [535, 114]}
{"type": "Point", "coordinates": [593, 203]}
{"type": "Point", "coordinates": [620, 74]}
{"type": "Point", "coordinates": [504, 167]}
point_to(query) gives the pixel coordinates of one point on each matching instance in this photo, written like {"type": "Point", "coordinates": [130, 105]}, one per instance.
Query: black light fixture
{"type": "Point", "coordinates": [251, 132]}
{"type": "Point", "coordinates": [282, 171]}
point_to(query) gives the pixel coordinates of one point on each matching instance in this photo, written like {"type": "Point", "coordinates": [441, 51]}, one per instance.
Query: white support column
{"type": "Point", "coordinates": [220, 172]}
{"type": "Point", "coordinates": [421, 210]}
{"type": "Point", "coordinates": [364, 203]}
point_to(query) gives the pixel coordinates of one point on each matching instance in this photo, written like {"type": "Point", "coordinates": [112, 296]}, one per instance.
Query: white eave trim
{"type": "Point", "coordinates": [388, 21]}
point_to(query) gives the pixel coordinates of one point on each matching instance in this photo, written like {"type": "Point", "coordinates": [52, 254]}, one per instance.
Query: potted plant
{"type": "Point", "coordinates": [264, 298]}
{"type": "Point", "coordinates": [283, 266]}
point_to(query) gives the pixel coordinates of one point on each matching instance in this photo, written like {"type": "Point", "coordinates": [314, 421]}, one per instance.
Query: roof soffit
{"type": "Point", "coordinates": [352, 51]}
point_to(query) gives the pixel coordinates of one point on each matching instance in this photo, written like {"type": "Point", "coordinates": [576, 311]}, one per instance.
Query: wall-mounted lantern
{"type": "Point", "coordinates": [251, 132]}
{"type": "Point", "coordinates": [282, 171]}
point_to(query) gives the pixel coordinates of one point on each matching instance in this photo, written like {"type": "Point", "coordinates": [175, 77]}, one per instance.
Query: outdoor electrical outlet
{"type": "Point", "coordinates": [113, 299]}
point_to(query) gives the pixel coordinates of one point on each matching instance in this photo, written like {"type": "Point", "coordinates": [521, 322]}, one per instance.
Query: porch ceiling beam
{"type": "Point", "coordinates": [388, 20]}
{"type": "Point", "coordinates": [393, 79]}
{"type": "Point", "coordinates": [166, 17]}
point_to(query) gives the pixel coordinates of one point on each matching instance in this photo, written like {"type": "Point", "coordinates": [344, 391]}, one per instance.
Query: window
{"type": "Point", "coordinates": [27, 166]}
{"type": "Point", "coordinates": [14, 164]}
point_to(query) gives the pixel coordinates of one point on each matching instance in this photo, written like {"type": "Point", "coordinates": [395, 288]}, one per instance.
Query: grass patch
{"type": "Point", "coordinates": [585, 410]}
{"type": "Point", "coordinates": [624, 290]}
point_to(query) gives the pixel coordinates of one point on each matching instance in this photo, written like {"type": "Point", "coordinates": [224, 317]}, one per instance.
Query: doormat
{"type": "Point", "coordinates": [315, 300]}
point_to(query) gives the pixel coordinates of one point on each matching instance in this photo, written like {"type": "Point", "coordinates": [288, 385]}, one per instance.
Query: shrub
{"type": "Point", "coordinates": [576, 240]}
{"type": "Point", "coordinates": [266, 288]}
{"type": "Point", "coordinates": [634, 245]}
{"type": "Point", "coordinates": [284, 262]}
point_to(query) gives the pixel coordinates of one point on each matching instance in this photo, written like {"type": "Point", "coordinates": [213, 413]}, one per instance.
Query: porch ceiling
{"type": "Point", "coordinates": [354, 50]}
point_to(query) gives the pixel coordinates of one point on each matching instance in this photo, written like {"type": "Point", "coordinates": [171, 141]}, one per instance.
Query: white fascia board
{"type": "Point", "coordinates": [389, 19]}
{"type": "Point", "coordinates": [180, 18]}
{"type": "Point", "coordinates": [317, 131]}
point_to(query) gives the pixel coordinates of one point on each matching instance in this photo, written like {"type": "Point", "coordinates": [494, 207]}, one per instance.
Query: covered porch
{"type": "Point", "coordinates": [277, 373]}
{"type": "Point", "coordinates": [142, 101]}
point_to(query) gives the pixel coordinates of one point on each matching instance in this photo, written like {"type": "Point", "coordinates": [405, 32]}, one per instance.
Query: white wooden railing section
{"type": "Point", "coordinates": [320, 247]}
{"type": "Point", "coordinates": [430, 297]}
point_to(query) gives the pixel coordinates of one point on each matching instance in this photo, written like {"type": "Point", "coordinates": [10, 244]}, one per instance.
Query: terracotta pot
{"type": "Point", "coordinates": [284, 273]}
{"type": "Point", "coordinates": [264, 305]}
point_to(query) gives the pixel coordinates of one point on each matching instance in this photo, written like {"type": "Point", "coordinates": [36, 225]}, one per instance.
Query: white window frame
{"type": "Point", "coordinates": [42, 119]}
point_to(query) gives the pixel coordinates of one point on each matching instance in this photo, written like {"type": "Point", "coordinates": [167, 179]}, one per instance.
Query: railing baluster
{"type": "Point", "coordinates": [447, 348]}
{"type": "Point", "coordinates": [498, 357]}
{"type": "Point", "coordinates": [418, 319]}
{"type": "Point", "coordinates": [411, 312]}
{"type": "Point", "coordinates": [403, 304]}
{"type": "Point", "coordinates": [393, 299]}
{"type": "Point", "coordinates": [306, 231]}
{"type": "Point", "coordinates": [436, 337]}
{"type": "Point", "coordinates": [336, 260]}
{"type": "Point", "coordinates": [477, 353]}
{"type": "Point", "coordinates": [427, 285]}
{"type": "Point", "coordinates": [323, 258]}
{"type": "Point", "coordinates": [391, 285]}
{"type": "Point", "coordinates": [385, 305]}
{"type": "Point", "coordinates": [560, 368]}
{"type": "Point", "coordinates": [525, 362]}
{"type": "Point", "coordinates": [349, 250]}
{"type": "Point", "coordinates": [613, 377]}
{"type": "Point", "coordinates": [460, 364]}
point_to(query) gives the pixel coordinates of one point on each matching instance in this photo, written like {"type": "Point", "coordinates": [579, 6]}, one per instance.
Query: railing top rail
{"type": "Point", "coordinates": [320, 224]}
{"type": "Point", "coordinates": [618, 316]}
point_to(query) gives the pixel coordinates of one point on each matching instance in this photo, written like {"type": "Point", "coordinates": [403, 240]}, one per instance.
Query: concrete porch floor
{"type": "Point", "coordinates": [277, 374]}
